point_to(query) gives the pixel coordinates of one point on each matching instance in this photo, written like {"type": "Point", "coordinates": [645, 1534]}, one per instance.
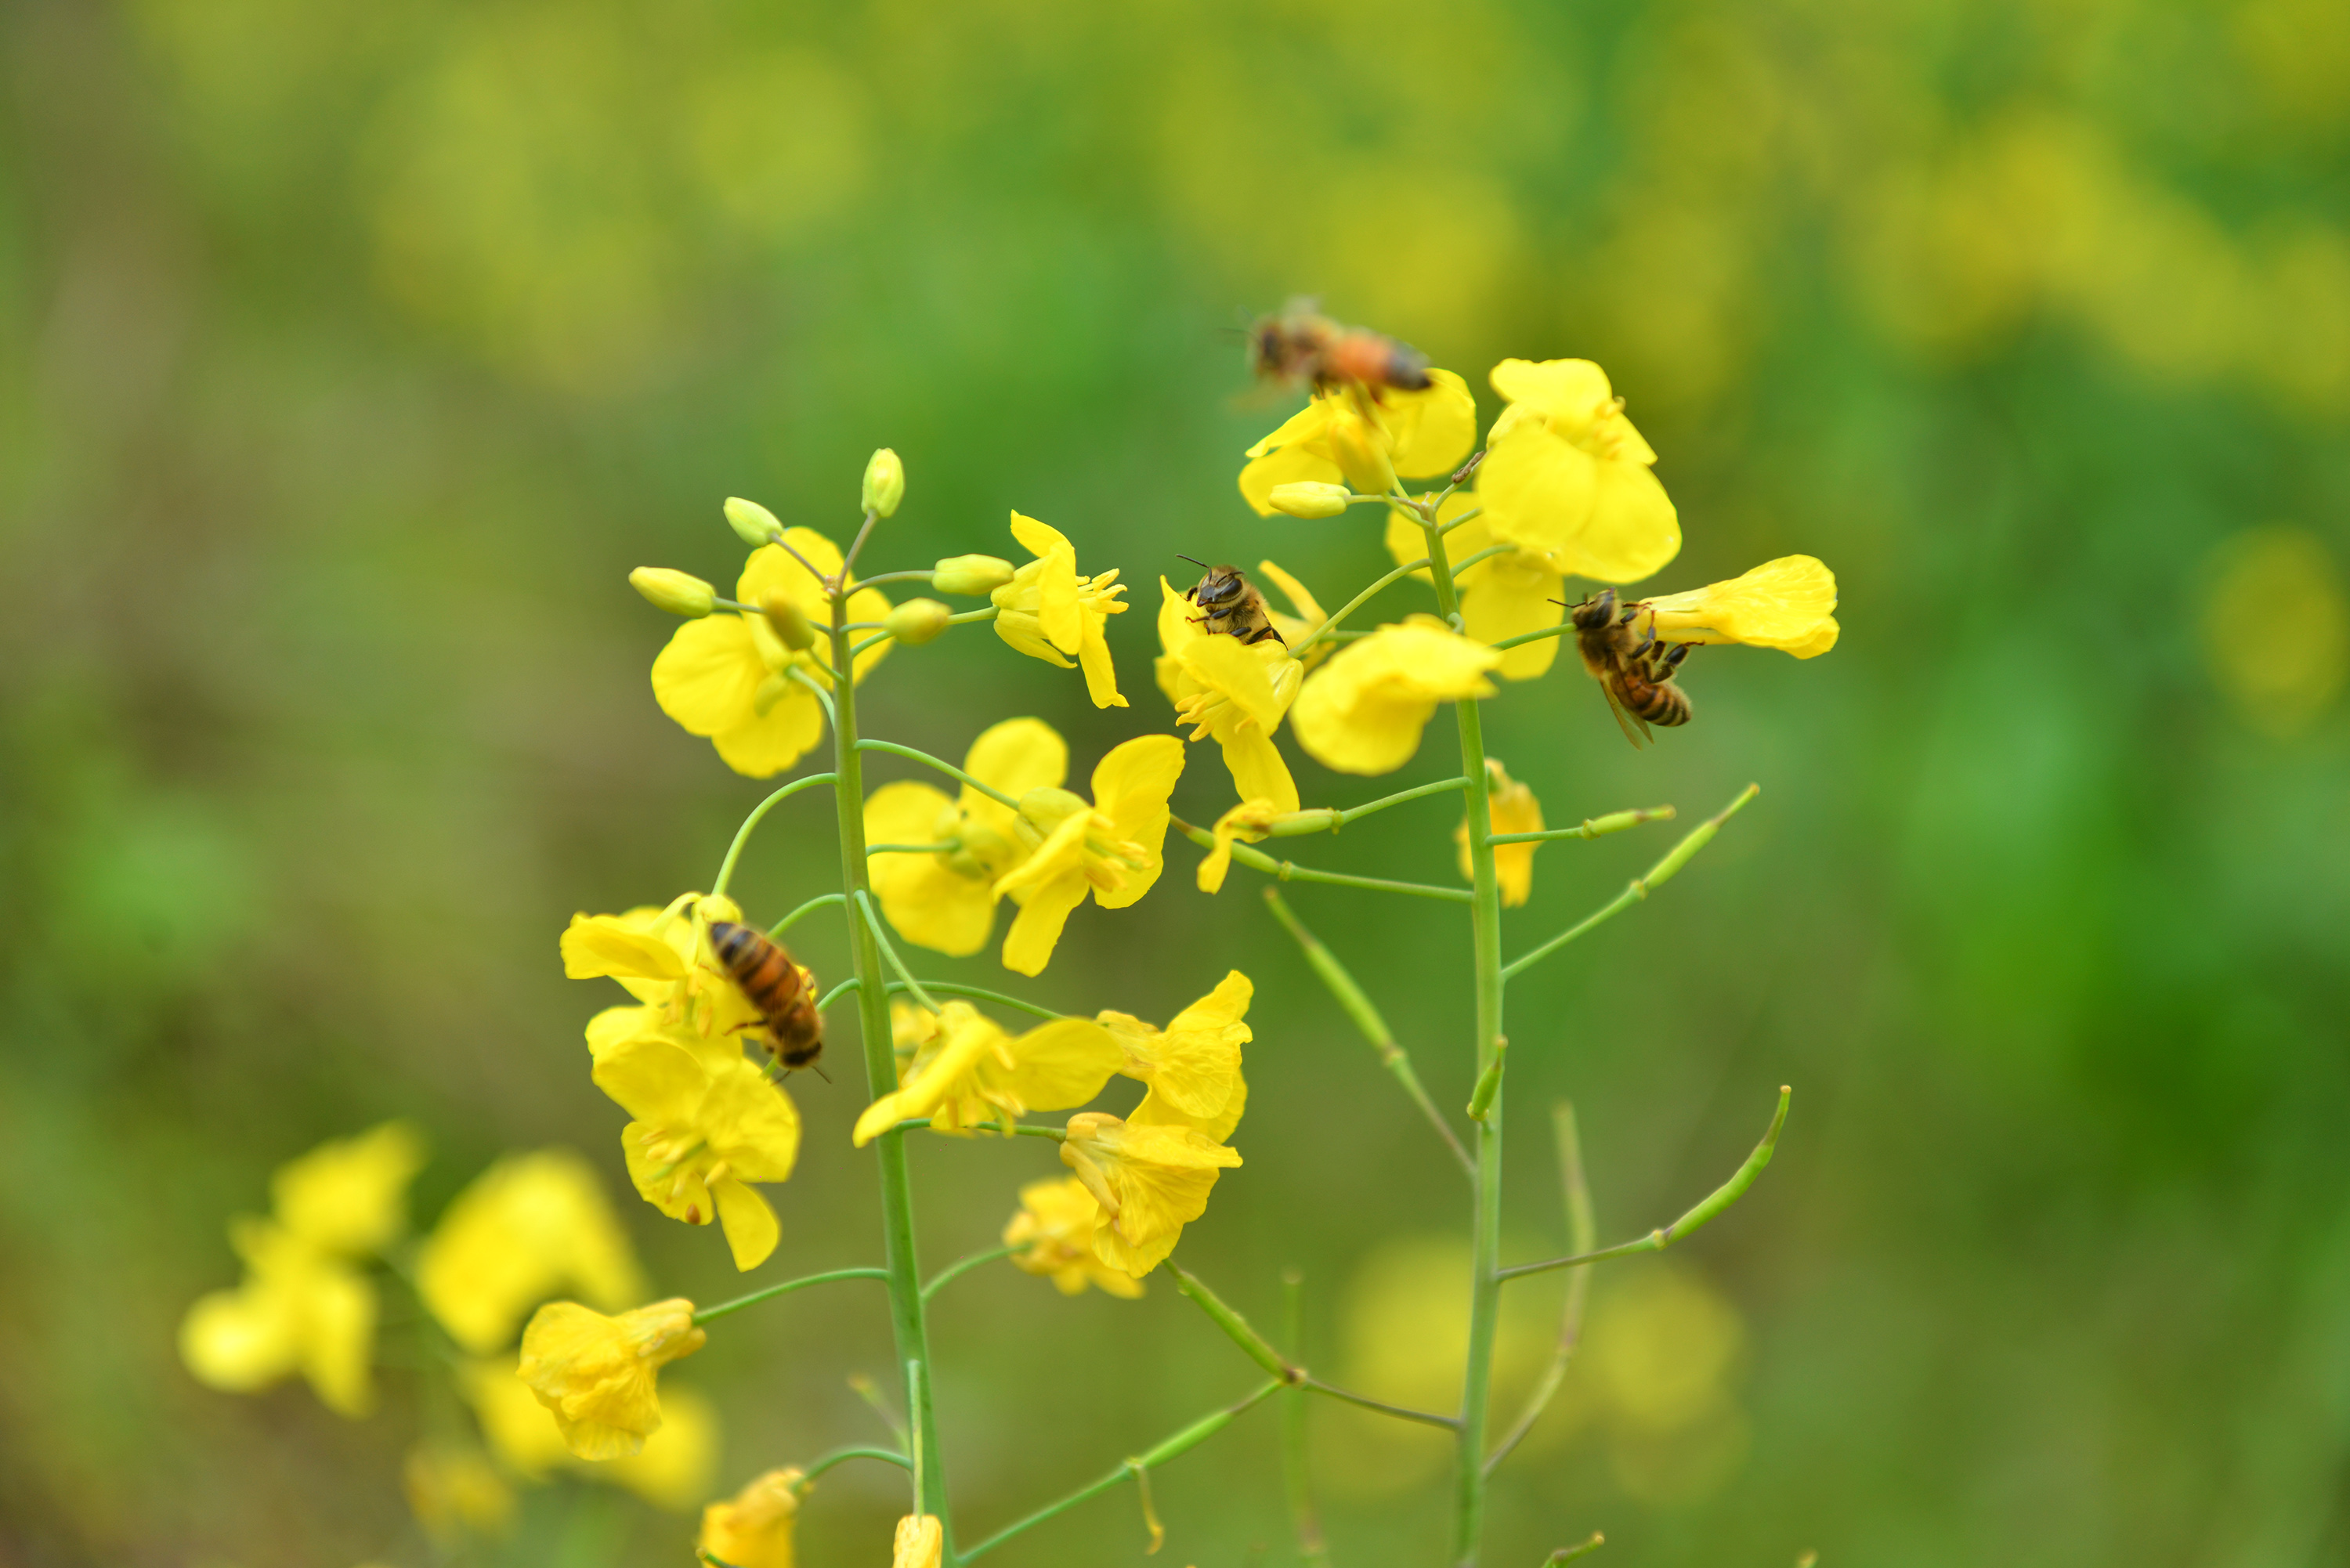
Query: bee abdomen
{"type": "Point", "coordinates": [762, 969]}
{"type": "Point", "coordinates": [1663, 704]}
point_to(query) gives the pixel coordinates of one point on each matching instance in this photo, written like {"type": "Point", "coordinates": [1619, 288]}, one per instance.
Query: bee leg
{"type": "Point", "coordinates": [1262, 633]}
{"type": "Point", "coordinates": [1672, 660]}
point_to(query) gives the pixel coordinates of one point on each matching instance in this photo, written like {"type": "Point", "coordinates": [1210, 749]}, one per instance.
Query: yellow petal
{"type": "Point", "coordinates": [1537, 489]}
{"type": "Point", "coordinates": [750, 1123]}
{"type": "Point", "coordinates": [1514, 594]}
{"type": "Point", "coordinates": [867, 604]}
{"type": "Point", "coordinates": [1062, 1064]}
{"type": "Point", "coordinates": [530, 1227]}
{"type": "Point", "coordinates": [1289, 465]}
{"type": "Point", "coordinates": [763, 746]}
{"type": "Point", "coordinates": [1056, 600]}
{"type": "Point", "coordinates": [1257, 769]}
{"type": "Point", "coordinates": [1787, 603]}
{"type": "Point", "coordinates": [349, 1195]}
{"type": "Point", "coordinates": [1433, 429]}
{"type": "Point", "coordinates": [1561, 389]}
{"type": "Point", "coordinates": [617, 945]}
{"type": "Point", "coordinates": [1307, 607]}
{"type": "Point", "coordinates": [654, 1080]}
{"type": "Point", "coordinates": [1028, 945]}
{"type": "Point", "coordinates": [1633, 532]}
{"type": "Point", "coordinates": [752, 1230]}
{"type": "Point", "coordinates": [708, 676]}
{"type": "Point", "coordinates": [1156, 1110]}
{"type": "Point", "coordinates": [673, 1472]}
{"type": "Point", "coordinates": [240, 1340]}
{"type": "Point", "coordinates": [1014, 757]}
{"type": "Point", "coordinates": [1306, 424]}
{"type": "Point", "coordinates": [772, 570]}
{"type": "Point", "coordinates": [1039, 539]}
{"type": "Point", "coordinates": [338, 1341]}
{"type": "Point", "coordinates": [1101, 674]}
{"type": "Point", "coordinates": [1131, 785]}
{"type": "Point", "coordinates": [1241, 671]}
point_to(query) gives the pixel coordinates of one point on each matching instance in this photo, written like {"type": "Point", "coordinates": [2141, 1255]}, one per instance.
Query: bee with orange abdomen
{"type": "Point", "coordinates": [1299, 344]}
{"type": "Point", "coordinates": [783, 992]}
{"type": "Point", "coordinates": [1635, 671]}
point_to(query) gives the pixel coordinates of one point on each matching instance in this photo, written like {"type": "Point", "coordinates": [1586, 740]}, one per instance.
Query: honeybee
{"type": "Point", "coordinates": [781, 991]}
{"type": "Point", "coordinates": [1634, 670]}
{"type": "Point", "coordinates": [1233, 607]}
{"type": "Point", "coordinates": [1299, 344]}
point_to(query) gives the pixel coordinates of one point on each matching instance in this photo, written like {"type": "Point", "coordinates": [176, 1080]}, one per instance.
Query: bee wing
{"type": "Point", "coordinates": [1626, 720]}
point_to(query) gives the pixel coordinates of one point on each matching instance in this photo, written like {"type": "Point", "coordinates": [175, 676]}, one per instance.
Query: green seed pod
{"type": "Point", "coordinates": [1309, 499]}
{"type": "Point", "coordinates": [680, 593]}
{"type": "Point", "coordinates": [885, 483]}
{"type": "Point", "coordinates": [754, 522]}
{"type": "Point", "coordinates": [917, 621]}
{"type": "Point", "coordinates": [973, 576]}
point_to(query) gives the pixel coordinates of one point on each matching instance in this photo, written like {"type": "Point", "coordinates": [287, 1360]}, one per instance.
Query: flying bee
{"type": "Point", "coordinates": [1633, 670]}
{"type": "Point", "coordinates": [1232, 606]}
{"type": "Point", "coordinates": [1299, 344]}
{"type": "Point", "coordinates": [783, 992]}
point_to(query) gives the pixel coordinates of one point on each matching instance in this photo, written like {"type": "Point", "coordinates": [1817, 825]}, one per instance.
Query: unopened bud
{"type": "Point", "coordinates": [1309, 499]}
{"type": "Point", "coordinates": [680, 593]}
{"type": "Point", "coordinates": [973, 576]}
{"type": "Point", "coordinates": [1314, 819]}
{"type": "Point", "coordinates": [754, 522]}
{"type": "Point", "coordinates": [1362, 457]}
{"type": "Point", "coordinates": [790, 623]}
{"type": "Point", "coordinates": [885, 483]}
{"type": "Point", "coordinates": [917, 621]}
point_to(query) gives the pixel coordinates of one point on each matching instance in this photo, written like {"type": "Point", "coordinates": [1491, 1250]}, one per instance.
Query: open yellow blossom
{"type": "Point", "coordinates": [973, 1072]}
{"type": "Point", "coordinates": [1048, 611]}
{"type": "Point", "coordinates": [726, 676]}
{"type": "Point", "coordinates": [1566, 475]}
{"type": "Point", "coordinates": [1052, 1236]}
{"type": "Point", "coordinates": [1193, 1063]}
{"type": "Point", "coordinates": [920, 1543]}
{"type": "Point", "coordinates": [703, 1132]}
{"type": "Point", "coordinates": [530, 1227]}
{"type": "Point", "coordinates": [1344, 436]}
{"type": "Point", "coordinates": [1246, 822]}
{"type": "Point", "coordinates": [672, 1471]}
{"type": "Point", "coordinates": [1156, 1111]}
{"type": "Point", "coordinates": [349, 1195]}
{"type": "Point", "coordinates": [454, 1492]}
{"type": "Point", "coordinates": [1150, 1182]}
{"type": "Point", "coordinates": [754, 1529]}
{"type": "Point", "coordinates": [1232, 690]}
{"type": "Point", "coordinates": [1788, 604]}
{"type": "Point", "coordinates": [1502, 595]}
{"type": "Point", "coordinates": [663, 958]}
{"type": "Point", "coordinates": [1363, 712]}
{"type": "Point", "coordinates": [599, 1375]}
{"type": "Point", "coordinates": [299, 1309]}
{"type": "Point", "coordinates": [1109, 848]}
{"type": "Point", "coordinates": [1514, 809]}
{"type": "Point", "coordinates": [945, 901]}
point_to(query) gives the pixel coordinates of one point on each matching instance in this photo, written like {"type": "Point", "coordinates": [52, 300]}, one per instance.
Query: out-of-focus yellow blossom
{"type": "Point", "coordinates": [1048, 611]}
{"type": "Point", "coordinates": [1787, 604]}
{"type": "Point", "coordinates": [920, 1542]}
{"type": "Point", "coordinates": [599, 1374]}
{"type": "Point", "coordinates": [1109, 847]}
{"type": "Point", "coordinates": [530, 1227]}
{"type": "Point", "coordinates": [754, 1530]}
{"type": "Point", "coordinates": [350, 1196]}
{"type": "Point", "coordinates": [1501, 597]}
{"type": "Point", "coordinates": [663, 959]}
{"type": "Point", "coordinates": [1514, 809]}
{"type": "Point", "coordinates": [521, 1431]}
{"type": "Point", "coordinates": [1232, 690]}
{"type": "Point", "coordinates": [1053, 1233]}
{"type": "Point", "coordinates": [1193, 1063]}
{"type": "Point", "coordinates": [454, 1492]}
{"type": "Point", "coordinates": [1150, 1182]}
{"type": "Point", "coordinates": [724, 675]}
{"type": "Point", "coordinates": [972, 1072]}
{"type": "Point", "coordinates": [946, 901]}
{"type": "Point", "coordinates": [1246, 822]}
{"type": "Point", "coordinates": [703, 1132]}
{"type": "Point", "coordinates": [1567, 476]}
{"type": "Point", "coordinates": [1363, 712]}
{"type": "Point", "coordinates": [299, 1309]}
{"type": "Point", "coordinates": [2276, 626]}
{"type": "Point", "coordinates": [674, 1469]}
{"type": "Point", "coordinates": [1344, 436]}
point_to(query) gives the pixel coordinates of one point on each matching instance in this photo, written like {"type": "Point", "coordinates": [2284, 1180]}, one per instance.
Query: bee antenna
{"type": "Point", "coordinates": [1194, 560]}
{"type": "Point", "coordinates": [817, 1068]}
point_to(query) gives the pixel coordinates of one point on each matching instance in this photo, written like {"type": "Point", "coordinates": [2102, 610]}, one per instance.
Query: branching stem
{"type": "Point", "coordinates": [1663, 871]}
{"type": "Point", "coordinates": [711, 1313]}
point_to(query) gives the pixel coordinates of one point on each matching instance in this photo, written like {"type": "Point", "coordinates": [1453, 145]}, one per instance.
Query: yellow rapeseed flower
{"type": "Point", "coordinates": [945, 901]}
{"type": "Point", "coordinates": [1565, 475]}
{"type": "Point", "coordinates": [663, 959]}
{"type": "Point", "coordinates": [599, 1375]}
{"type": "Point", "coordinates": [1363, 712]}
{"type": "Point", "coordinates": [349, 1195]}
{"type": "Point", "coordinates": [1247, 823]}
{"type": "Point", "coordinates": [1232, 690]}
{"type": "Point", "coordinates": [1788, 604]}
{"type": "Point", "coordinates": [920, 1543]}
{"type": "Point", "coordinates": [1514, 809]}
{"type": "Point", "coordinates": [530, 1227]}
{"type": "Point", "coordinates": [298, 1310]}
{"type": "Point", "coordinates": [1109, 848]}
{"type": "Point", "coordinates": [704, 1131]}
{"type": "Point", "coordinates": [1341, 435]}
{"type": "Point", "coordinates": [972, 1072]}
{"type": "Point", "coordinates": [672, 1471]}
{"type": "Point", "coordinates": [454, 1492]}
{"type": "Point", "coordinates": [754, 1529]}
{"type": "Point", "coordinates": [1502, 595]}
{"type": "Point", "coordinates": [1150, 1181]}
{"type": "Point", "coordinates": [1053, 1237]}
{"type": "Point", "coordinates": [725, 676]}
{"type": "Point", "coordinates": [1048, 611]}
{"type": "Point", "coordinates": [1193, 1063]}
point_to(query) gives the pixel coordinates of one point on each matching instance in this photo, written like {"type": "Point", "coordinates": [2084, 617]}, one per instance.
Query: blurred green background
{"type": "Point", "coordinates": [350, 355]}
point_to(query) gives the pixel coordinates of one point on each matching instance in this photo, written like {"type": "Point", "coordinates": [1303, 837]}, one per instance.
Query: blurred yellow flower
{"type": "Point", "coordinates": [1232, 690]}
{"type": "Point", "coordinates": [662, 958]}
{"type": "Point", "coordinates": [521, 1431]}
{"type": "Point", "coordinates": [702, 1133]}
{"type": "Point", "coordinates": [1566, 474]}
{"type": "Point", "coordinates": [672, 1471]}
{"type": "Point", "coordinates": [454, 1492]}
{"type": "Point", "coordinates": [972, 1072]}
{"type": "Point", "coordinates": [1109, 847]}
{"type": "Point", "coordinates": [724, 675]}
{"type": "Point", "coordinates": [599, 1375]}
{"type": "Point", "coordinates": [2276, 628]}
{"type": "Point", "coordinates": [1053, 1233]}
{"type": "Point", "coordinates": [530, 1227]}
{"type": "Point", "coordinates": [1192, 1063]}
{"type": "Point", "coordinates": [919, 1543]}
{"type": "Point", "coordinates": [1363, 712]}
{"type": "Point", "coordinates": [1048, 611]}
{"type": "Point", "coordinates": [1514, 809]}
{"type": "Point", "coordinates": [1150, 1182]}
{"type": "Point", "coordinates": [299, 1309]}
{"type": "Point", "coordinates": [1787, 604]}
{"type": "Point", "coordinates": [1343, 436]}
{"type": "Point", "coordinates": [1664, 1351]}
{"type": "Point", "coordinates": [1246, 822]}
{"type": "Point", "coordinates": [945, 901]}
{"type": "Point", "coordinates": [1501, 597]}
{"type": "Point", "coordinates": [349, 1195]}
{"type": "Point", "coordinates": [754, 1530]}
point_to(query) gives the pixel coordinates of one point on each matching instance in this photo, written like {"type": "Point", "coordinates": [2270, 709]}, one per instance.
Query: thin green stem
{"type": "Point", "coordinates": [823, 1462]}
{"type": "Point", "coordinates": [972, 616]}
{"type": "Point", "coordinates": [1358, 602]}
{"type": "Point", "coordinates": [1582, 1234]}
{"type": "Point", "coordinates": [952, 772]}
{"type": "Point", "coordinates": [820, 901]}
{"type": "Point", "coordinates": [1561, 629]}
{"type": "Point", "coordinates": [1312, 1544]}
{"type": "Point", "coordinates": [911, 848]}
{"type": "Point", "coordinates": [708, 1314]}
{"type": "Point", "coordinates": [1326, 819]}
{"type": "Point", "coordinates": [831, 711]}
{"type": "Point", "coordinates": [890, 953]}
{"type": "Point", "coordinates": [743, 833]}
{"type": "Point", "coordinates": [1402, 1412]}
{"type": "Point", "coordinates": [1007, 1128]}
{"type": "Point", "coordinates": [1591, 828]}
{"type": "Point", "coordinates": [1257, 1348]}
{"type": "Point", "coordinates": [957, 1269]}
{"type": "Point", "coordinates": [1663, 871]}
{"type": "Point", "coordinates": [837, 584]}
{"type": "Point", "coordinates": [1287, 872]}
{"type": "Point", "coordinates": [978, 993]}
{"type": "Point", "coordinates": [836, 992]}
{"type": "Point", "coordinates": [911, 575]}
{"type": "Point", "coordinates": [1583, 1547]}
{"type": "Point", "coordinates": [1704, 1210]}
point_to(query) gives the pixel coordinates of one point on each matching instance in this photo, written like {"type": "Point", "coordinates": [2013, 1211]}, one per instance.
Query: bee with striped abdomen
{"type": "Point", "coordinates": [1635, 671]}
{"type": "Point", "coordinates": [783, 992]}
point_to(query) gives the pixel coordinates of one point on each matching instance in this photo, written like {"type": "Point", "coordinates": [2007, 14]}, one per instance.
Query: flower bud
{"type": "Point", "coordinates": [973, 576]}
{"type": "Point", "coordinates": [754, 522]}
{"type": "Point", "coordinates": [917, 621]}
{"type": "Point", "coordinates": [1309, 499]}
{"type": "Point", "coordinates": [790, 622]}
{"type": "Point", "coordinates": [885, 483]}
{"type": "Point", "coordinates": [680, 593]}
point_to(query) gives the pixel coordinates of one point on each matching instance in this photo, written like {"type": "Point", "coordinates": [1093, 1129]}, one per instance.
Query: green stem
{"type": "Point", "coordinates": [990, 790]}
{"type": "Point", "coordinates": [1005, 1129]}
{"type": "Point", "coordinates": [1561, 629]}
{"type": "Point", "coordinates": [810, 907]}
{"type": "Point", "coordinates": [836, 992]}
{"type": "Point", "coordinates": [1258, 1349]}
{"type": "Point", "coordinates": [1352, 605]}
{"type": "Point", "coordinates": [1289, 872]}
{"type": "Point", "coordinates": [873, 920]}
{"type": "Point", "coordinates": [906, 1317]}
{"type": "Point", "coordinates": [911, 848]}
{"type": "Point", "coordinates": [824, 1462]}
{"type": "Point", "coordinates": [743, 833]}
{"type": "Point", "coordinates": [957, 1269]}
{"type": "Point", "coordinates": [1583, 1547]}
{"type": "Point", "coordinates": [1312, 1544]}
{"type": "Point", "coordinates": [1324, 819]}
{"type": "Point", "coordinates": [831, 713]}
{"type": "Point", "coordinates": [978, 993]}
{"type": "Point", "coordinates": [1582, 1234]}
{"type": "Point", "coordinates": [914, 574]}
{"type": "Point", "coordinates": [1592, 827]}
{"type": "Point", "coordinates": [708, 1314]}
